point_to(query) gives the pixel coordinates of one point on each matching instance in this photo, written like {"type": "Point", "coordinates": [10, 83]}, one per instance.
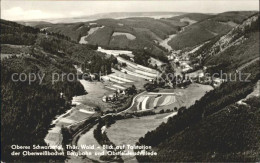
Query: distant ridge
{"type": "Point", "coordinates": [112, 15]}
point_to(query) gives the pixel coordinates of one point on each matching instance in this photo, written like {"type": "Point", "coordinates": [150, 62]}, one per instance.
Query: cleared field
{"type": "Point", "coordinates": [162, 93]}
{"type": "Point", "coordinates": [146, 73]}
{"type": "Point", "coordinates": [108, 78]}
{"type": "Point", "coordinates": [66, 120]}
{"type": "Point", "coordinates": [128, 35]}
{"type": "Point", "coordinates": [86, 111]}
{"type": "Point", "coordinates": [76, 114]}
{"type": "Point", "coordinates": [140, 99]}
{"type": "Point", "coordinates": [120, 78]}
{"type": "Point", "coordinates": [168, 100]}
{"type": "Point", "coordinates": [111, 88]}
{"type": "Point", "coordinates": [128, 63]}
{"type": "Point", "coordinates": [96, 90]}
{"type": "Point", "coordinates": [149, 103]}
{"type": "Point", "coordinates": [116, 52]}
{"type": "Point", "coordinates": [136, 67]}
{"type": "Point", "coordinates": [136, 74]}
{"type": "Point", "coordinates": [126, 76]}
{"type": "Point", "coordinates": [142, 71]}
{"type": "Point", "coordinates": [187, 97]}
{"type": "Point", "coordinates": [118, 86]}
{"type": "Point", "coordinates": [144, 103]}
{"type": "Point", "coordinates": [186, 19]}
{"type": "Point", "coordinates": [79, 115]}
{"type": "Point", "coordinates": [156, 101]}
{"type": "Point", "coordinates": [124, 80]}
{"type": "Point", "coordinates": [128, 131]}
{"type": "Point", "coordinates": [146, 69]}
{"type": "Point", "coordinates": [90, 32]}
{"type": "Point", "coordinates": [54, 138]}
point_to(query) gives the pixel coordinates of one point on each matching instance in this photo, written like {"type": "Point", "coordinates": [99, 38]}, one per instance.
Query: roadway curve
{"type": "Point", "coordinates": [78, 134]}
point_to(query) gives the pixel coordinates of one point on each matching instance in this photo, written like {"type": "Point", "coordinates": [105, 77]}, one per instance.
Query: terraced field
{"type": "Point", "coordinates": [131, 74]}
{"type": "Point", "coordinates": [171, 98]}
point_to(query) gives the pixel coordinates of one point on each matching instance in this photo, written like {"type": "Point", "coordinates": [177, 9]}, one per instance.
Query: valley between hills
{"type": "Point", "coordinates": [138, 81]}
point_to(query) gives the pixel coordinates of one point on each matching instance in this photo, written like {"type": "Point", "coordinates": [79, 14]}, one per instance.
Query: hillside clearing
{"type": "Point", "coordinates": [90, 32]}
{"type": "Point", "coordinates": [128, 35]}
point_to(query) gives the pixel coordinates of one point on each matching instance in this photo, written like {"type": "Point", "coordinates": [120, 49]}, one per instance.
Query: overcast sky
{"type": "Point", "coordinates": [33, 10]}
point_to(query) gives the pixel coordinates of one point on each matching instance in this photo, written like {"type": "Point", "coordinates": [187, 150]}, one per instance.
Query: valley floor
{"type": "Point", "coordinates": [128, 131]}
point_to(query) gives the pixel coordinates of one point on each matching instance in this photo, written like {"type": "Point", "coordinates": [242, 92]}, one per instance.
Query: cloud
{"type": "Point", "coordinates": [17, 13]}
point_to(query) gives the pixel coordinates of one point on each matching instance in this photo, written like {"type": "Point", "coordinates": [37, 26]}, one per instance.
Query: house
{"type": "Point", "coordinates": [61, 95]}
{"type": "Point", "coordinates": [217, 82]}
{"type": "Point", "coordinates": [132, 59]}
{"type": "Point", "coordinates": [111, 97]}
{"type": "Point", "coordinates": [201, 74]}
{"type": "Point", "coordinates": [103, 129]}
{"type": "Point", "coordinates": [104, 99]}
{"type": "Point", "coordinates": [123, 92]}
{"type": "Point", "coordinates": [176, 60]}
{"type": "Point", "coordinates": [92, 76]}
{"type": "Point", "coordinates": [186, 68]}
{"type": "Point", "coordinates": [170, 57]}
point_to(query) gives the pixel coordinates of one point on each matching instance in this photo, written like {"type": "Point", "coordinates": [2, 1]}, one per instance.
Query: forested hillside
{"type": "Point", "coordinates": [239, 47]}
{"type": "Point", "coordinates": [129, 33]}
{"type": "Point", "coordinates": [207, 27]}
{"type": "Point", "coordinates": [27, 108]}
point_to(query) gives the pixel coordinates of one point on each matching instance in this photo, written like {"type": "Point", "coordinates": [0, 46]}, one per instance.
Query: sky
{"type": "Point", "coordinates": [36, 10]}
